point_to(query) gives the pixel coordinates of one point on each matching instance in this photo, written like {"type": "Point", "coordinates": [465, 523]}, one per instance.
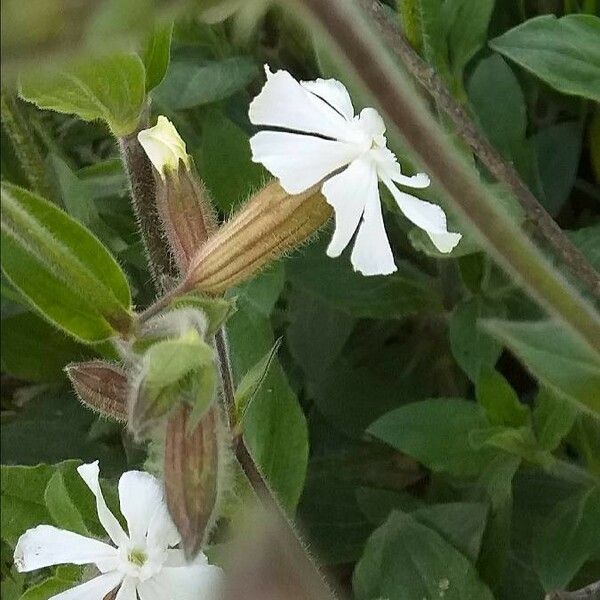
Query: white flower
{"type": "Point", "coordinates": [327, 140]}
{"type": "Point", "coordinates": [141, 563]}
{"type": "Point", "coordinates": [164, 146]}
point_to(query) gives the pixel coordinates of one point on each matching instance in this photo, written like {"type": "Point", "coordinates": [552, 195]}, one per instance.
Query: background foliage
{"type": "Point", "coordinates": [437, 435]}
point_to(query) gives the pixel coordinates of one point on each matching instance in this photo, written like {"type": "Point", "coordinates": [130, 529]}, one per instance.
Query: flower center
{"type": "Point", "coordinates": [137, 557]}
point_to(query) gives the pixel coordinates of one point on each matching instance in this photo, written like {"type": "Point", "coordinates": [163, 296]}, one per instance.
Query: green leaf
{"type": "Point", "coordinates": [471, 346]}
{"type": "Point", "coordinates": [226, 163]}
{"type": "Point", "coordinates": [519, 442]}
{"type": "Point", "coordinates": [61, 507]}
{"type": "Point", "coordinates": [274, 426]}
{"type": "Point", "coordinates": [405, 560]}
{"type": "Point", "coordinates": [189, 83]}
{"type": "Point", "coordinates": [251, 382]}
{"type": "Point", "coordinates": [75, 192]}
{"type": "Point", "coordinates": [558, 150]}
{"type": "Point", "coordinates": [47, 589]}
{"type": "Point", "coordinates": [500, 401]}
{"type": "Point", "coordinates": [466, 23]}
{"type": "Point", "coordinates": [61, 268]}
{"type": "Point", "coordinates": [562, 52]}
{"type": "Point", "coordinates": [586, 239]}
{"type": "Point", "coordinates": [110, 88]}
{"type": "Point", "coordinates": [24, 357]}
{"type": "Point", "coordinates": [461, 524]}
{"type": "Point", "coordinates": [555, 358]}
{"type": "Point", "coordinates": [333, 281]}
{"type": "Point", "coordinates": [23, 503]}
{"type": "Point", "coordinates": [436, 432]}
{"type": "Point", "coordinates": [53, 427]}
{"type": "Point", "coordinates": [496, 96]}
{"type": "Point", "coordinates": [175, 370]}
{"type": "Point", "coordinates": [216, 310]}
{"type": "Point", "coordinates": [553, 418]}
{"type": "Point", "coordinates": [156, 54]}
{"type": "Point", "coordinates": [576, 523]}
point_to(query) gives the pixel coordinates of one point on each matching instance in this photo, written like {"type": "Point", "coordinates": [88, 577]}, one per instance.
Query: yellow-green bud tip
{"type": "Point", "coordinates": [164, 146]}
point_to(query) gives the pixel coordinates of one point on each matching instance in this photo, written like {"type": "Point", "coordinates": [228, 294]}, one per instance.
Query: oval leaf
{"type": "Point", "coordinates": [564, 53]}
{"type": "Point", "coordinates": [111, 88]}
{"type": "Point", "coordinates": [63, 270]}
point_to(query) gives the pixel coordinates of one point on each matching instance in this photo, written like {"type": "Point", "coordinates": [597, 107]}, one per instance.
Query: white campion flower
{"type": "Point", "coordinates": [326, 140]}
{"type": "Point", "coordinates": [142, 563]}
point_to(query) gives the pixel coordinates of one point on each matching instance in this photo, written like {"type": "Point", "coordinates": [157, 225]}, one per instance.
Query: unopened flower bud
{"type": "Point", "coordinates": [193, 470]}
{"type": "Point", "coordinates": [101, 386]}
{"type": "Point", "coordinates": [268, 225]}
{"type": "Point", "coordinates": [164, 146]}
{"type": "Point", "coordinates": [182, 200]}
{"type": "Point", "coordinates": [186, 212]}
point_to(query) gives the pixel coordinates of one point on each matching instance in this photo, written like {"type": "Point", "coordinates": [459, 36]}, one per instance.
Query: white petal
{"type": "Point", "coordinates": [164, 146]}
{"type": "Point", "coordinates": [89, 473]}
{"type": "Point", "coordinates": [127, 589]}
{"type": "Point", "coordinates": [389, 168]}
{"type": "Point", "coordinates": [347, 193]}
{"type": "Point", "coordinates": [283, 102]}
{"type": "Point", "coordinates": [429, 217]}
{"type": "Point", "coordinates": [140, 494]}
{"type": "Point", "coordinates": [46, 545]}
{"type": "Point", "coordinates": [162, 531]}
{"type": "Point", "coordinates": [372, 254]}
{"type": "Point", "coordinates": [94, 589]}
{"type": "Point", "coordinates": [334, 93]}
{"type": "Point", "coordinates": [299, 161]}
{"type": "Point", "coordinates": [372, 123]}
{"type": "Point", "coordinates": [195, 581]}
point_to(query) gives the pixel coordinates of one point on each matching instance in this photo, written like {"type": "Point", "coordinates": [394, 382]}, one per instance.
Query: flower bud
{"type": "Point", "coordinates": [183, 203]}
{"type": "Point", "coordinates": [101, 386]}
{"type": "Point", "coordinates": [193, 469]}
{"type": "Point", "coordinates": [164, 146]}
{"type": "Point", "coordinates": [173, 371]}
{"type": "Point", "coordinates": [186, 212]}
{"type": "Point", "coordinates": [268, 225]}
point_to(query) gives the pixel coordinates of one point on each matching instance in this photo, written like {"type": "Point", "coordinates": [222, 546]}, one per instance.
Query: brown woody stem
{"type": "Point", "coordinates": [545, 226]}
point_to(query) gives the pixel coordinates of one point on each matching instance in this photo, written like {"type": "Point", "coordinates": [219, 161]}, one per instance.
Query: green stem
{"type": "Point", "coordinates": [468, 197]}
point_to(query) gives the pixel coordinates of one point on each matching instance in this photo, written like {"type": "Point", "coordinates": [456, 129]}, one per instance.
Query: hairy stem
{"type": "Point", "coordinates": [545, 226]}
{"type": "Point", "coordinates": [143, 195]}
{"type": "Point", "coordinates": [468, 197]}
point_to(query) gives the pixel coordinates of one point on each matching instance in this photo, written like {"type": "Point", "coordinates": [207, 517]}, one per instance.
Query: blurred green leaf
{"type": "Point", "coordinates": [62, 269]}
{"type": "Point", "coordinates": [405, 560]}
{"type": "Point", "coordinates": [110, 88]}
{"type": "Point", "coordinates": [558, 149]}
{"type": "Point", "coordinates": [499, 104]}
{"type": "Point", "coordinates": [562, 52]}
{"type": "Point", "coordinates": [472, 347]}
{"type": "Point", "coordinates": [156, 54]}
{"type": "Point", "coordinates": [436, 432]}
{"type": "Point", "coordinates": [191, 83]}
{"type": "Point", "coordinates": [61, 507]}
{"type": "Point", "coordinates": [24, 357]}
{"type": "Point", "coordinates": [586, 239]}
{"type": "Point", "coordinates": [559, 361]}
{"type": "Point", "coordinates": [576, 523]}
{"type": "Point", "coordinates": [501, 403]}
{"type": "Point", "coordinates": [466, 24]}
{"type": "Point", "coordinates": [553, 418]}
{"type": "Point", "coordinates": [227, 167]}
{"type": "Point", "coordinates": [47, 588]}
{"type": "Point", "coordinates": [333, 281]}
